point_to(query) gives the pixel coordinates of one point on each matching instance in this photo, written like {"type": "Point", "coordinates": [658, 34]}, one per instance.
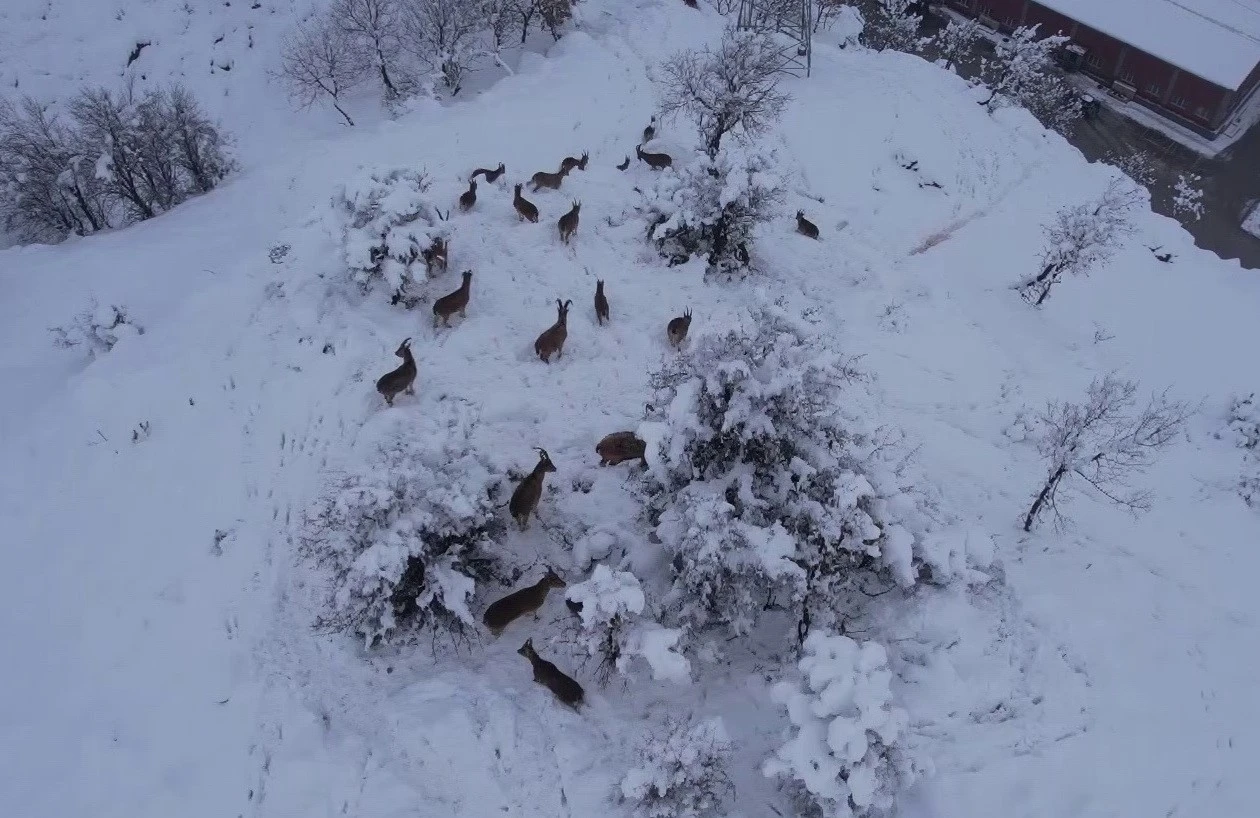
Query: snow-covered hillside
{"type": "Point", "coordinates": [161, 656]}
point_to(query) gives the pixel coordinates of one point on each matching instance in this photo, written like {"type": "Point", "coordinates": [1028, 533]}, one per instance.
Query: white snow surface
{"type": "Point", "coordinates": [1218, 40]}
{"type": "Point", "coordinates": [160, 657]}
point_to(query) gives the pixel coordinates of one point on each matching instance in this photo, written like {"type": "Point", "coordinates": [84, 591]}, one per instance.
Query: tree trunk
{"type": "Point", "coordinates": [336, 105]}
{"type": "Point", "coordinates": [390, 91]}
{"type": "Point", "coordinates": [1043, 496]}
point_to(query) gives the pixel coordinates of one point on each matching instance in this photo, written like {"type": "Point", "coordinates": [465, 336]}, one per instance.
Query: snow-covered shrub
{"type": "Point", "coordinates": [404, 539]}
{"type": "Point", "coordinates": [1243, 422]}
{"type": "Point", "coordinates": [956, 41]}
{"type": "Point", "coordinates": [762, 489]}
{"type": "Point", "coordinates": [98, 328]}
{"type": "Point", "coordinates": [385, 221]}
{"type": "Point", "coordinates": [711, 207]}
{"type": "Point", "coordinates": [840, 19]}
{"type": "Point", "coordinates": [1188, 196]}
{"type": "Point", "coordinates": [845, 757]}
{"type": "Point", "coordinates": [1024, 72]}
{"type": "Point", "coordinates": [732, 89]}
{"type": "Point", "coordinates": [892, 25]}
{"type": "Point", "coordinates": [681, 771]}
{"type": "Point", "coordinates": [609, 601]}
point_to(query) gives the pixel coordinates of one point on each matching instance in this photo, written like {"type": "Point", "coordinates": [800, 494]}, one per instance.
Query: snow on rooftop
{"type": "Point", "coordinates": [1218, 40]}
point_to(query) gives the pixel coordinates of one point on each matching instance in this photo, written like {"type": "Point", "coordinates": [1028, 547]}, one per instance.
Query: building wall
{"type": "Point", "coordinates": [1102, 53]}
{"type": "Point", "coordinates": [1197, 99]}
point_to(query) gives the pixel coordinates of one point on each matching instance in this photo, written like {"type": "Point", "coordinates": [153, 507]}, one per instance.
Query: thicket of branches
{"type": "Point", "coordinates": [406, 45]}
{"type": "Point", "coordinates": [117, 158]}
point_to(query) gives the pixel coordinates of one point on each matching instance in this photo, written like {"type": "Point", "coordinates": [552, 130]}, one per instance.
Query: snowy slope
{"type": "Point", "coordinates": [154, 666]}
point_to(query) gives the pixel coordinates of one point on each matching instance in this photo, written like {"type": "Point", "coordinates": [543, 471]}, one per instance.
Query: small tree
{"type": "Point", "coordinates": [1188, 196]}
{"type": "Point", "coordinates": [1103, 443]}
{"type": "Point", "coordinates": [957, 41]}
{"type": "Point", "coordinates": [321, 60]}
{"type": "Point", "coordinates": [731, 87]}
{"type": "Point", "coordinates": [555, 13]}
{"type": "Point", "coordinates": [1082, 236]}
{"type": "Point", "coordinates": [375, 27]}
{"type": "Point", "coordinates": [609, 602]}
{"type": "Point", "coordinates": [1024, 73]}
{"type": "Point", "coordinates": [681, 771]}
{"type": "Point", "coordinates": [844, 758]}
{"type": "Point", "coordinates": [712, 207]}
{"type": "Point", "coordinates": [892, 25]}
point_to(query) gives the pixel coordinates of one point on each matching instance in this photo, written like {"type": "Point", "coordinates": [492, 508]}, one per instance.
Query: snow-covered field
{"type": "Point", "coordinates": [160, 656]}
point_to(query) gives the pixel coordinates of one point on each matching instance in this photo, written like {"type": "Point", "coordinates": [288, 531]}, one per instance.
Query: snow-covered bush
{"type": "Point", "coordinates": [1243, 423]}
{"type": "Point", "coordinates": [1188, 196]}
{"type": "Point", "coordinates": [385, 221]}
{"type": "Point", "coordinates": [712, 207]}
{"type": "Point", "coordinates": [1024, 72]}
{"type": "Point", "coordinates": [120, 158]}
{"type": "Point", "coordinates": [681, 771]}
{"type": "Point", "coordinates": [1082, 236]}
{"type": "Point", "coordinates": [840, 19]}
{"type": "Point", "coordinates": [892, 25]}
{"type": "Point", "coordinates": [762, 489]}
{"type": "Point", "coordinates": [404, 540]}
{"type": "Point", "coordinates": [730, 90]}
{"type": "Point", "coordinates": [845, 757]}
{"type": "Point", "coordinates": [956, 41]}
{"type": "Point", "coordinates": [97, 328]}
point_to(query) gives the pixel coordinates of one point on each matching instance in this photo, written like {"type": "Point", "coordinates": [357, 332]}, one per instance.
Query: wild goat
{"type": "Point", "coordinates": [524, 207]}
{"type": "Point", "coordinates": [601, 302]}
{"type": "Point", "coordinates": [543, 179]}
{"type": "Point", "coordinates": [657, 161]}
{"type": "Point", "coordinates": [625, 164]}
{"type": "Point", "coordinates": [518, 603]}
{"type": "Point", "coordinates": [435, 255]}
{"type": "Point", "coordinates": [551, 341]}
{"type": "Point", "coordinates": [649, 133]}
{"type": "Point", "coordinates": [570, 163]}
{"type": "Point", "coordinates": [491, 176]}
{"type": "Point", "coordinates": [621, 446]}
{"type": "Point", "coordinates": [568, 223]}
{"type": "Point", "coordinates": [402, 379]}
{"type": "Point", "coordinates": [469, 197]}
{"type": "Point", "coordinates": [545, 673]}
{"type": "Point", "coordinates": [804, 226]}
{"type": "Point", "coordinates": [528, 492]}
{"type": "Point", "coordinates": [451, 303]}
{"type": "Point", "coordinates": [677, 328]}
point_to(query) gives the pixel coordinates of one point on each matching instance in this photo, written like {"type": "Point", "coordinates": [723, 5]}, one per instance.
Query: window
{"type": "Point", "coordinates": [1126, 75]}
{"type": "Point", "coordinates": [1095, 61]}
{"type": "Point", "coordinates": [1177, 101]}
{"type": "Point", "coordinates": [1153, 89]}
{"type": "Point", "coordinates": [1201, 112]}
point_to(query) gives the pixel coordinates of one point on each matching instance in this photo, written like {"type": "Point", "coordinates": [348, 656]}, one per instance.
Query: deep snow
{"type": "Point", "coordinates": [160, 656]}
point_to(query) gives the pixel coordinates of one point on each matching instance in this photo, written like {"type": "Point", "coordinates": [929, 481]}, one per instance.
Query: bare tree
{"type": "Point", "coordinates": [555, 13]}
{"type": "Point", "coordinates": [1102, 442]}
{"type": "Point", "coordinates": [375, 26]}
{"type": "Point", "coordinates": [49, 187]}
{"type": "Point", "coordinates": [445, 35]}
{"type": "Point", "coordinates": [320, 59]}
{"type": "Point", "coordinates": [200, 148]}
{"type": "Point", "coordinates": [126, 159]}
{"type": "Point", "coordinates": [1081, 237]}
{"type": "Point", "coordinates": [733, 86]}
{"type": "Point", "coordinates": [1024, 73]}
{"type": "Point", "coordinates": [525, 11]}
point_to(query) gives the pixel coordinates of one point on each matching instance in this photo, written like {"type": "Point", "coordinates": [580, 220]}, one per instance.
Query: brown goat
{"type": "Point", "coordinates": [649, 133]}
{"type": "Point", "coordinates": [563, 686]}
{"type": "Point", "coordinates": [677, 328]}
{"type": "Point", "coordinates": [570, 163]}
{"type": "Point", "coordinates": [601, 302]}
{"type": "Point", "coordinates": [524, 207]}
{"type": "Point", "coordinates": [657, 161]}
{"type": "Point", "coordinates": [451, 303]}
{"type": "Point", "coordinates": [543, 179]}
{"type": "Point", "coordinates": [528, 492]}
{"type": "Point", "coordinates": [625, 164]}
{"type": "Point", "coordinates": [568, 223]}
{"type": "Point", "coordinates": [552, 339]}
{"type": "Point", "coordinates": [621, 446]}
{"type": "Point", "coordinates": [491, 176]}
{"type": "Point", "coordinates": [518, 603]}
{"type": "Point", "coordinates": [469, 197]}
{"type": "Point", "coordinates": [402, 379]}
{"type": "Point", "coordinates": [804, 226]}
{"type": "Point", "coordinates": [436, 255]}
